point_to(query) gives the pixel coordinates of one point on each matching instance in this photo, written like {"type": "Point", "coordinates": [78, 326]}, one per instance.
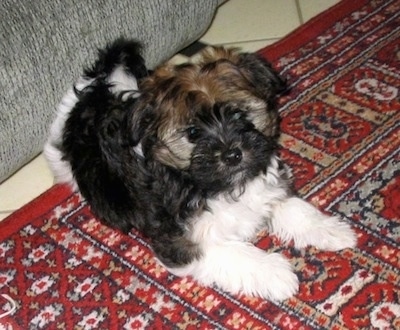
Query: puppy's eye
{"type": "Point", "coordinates": [193, 133]}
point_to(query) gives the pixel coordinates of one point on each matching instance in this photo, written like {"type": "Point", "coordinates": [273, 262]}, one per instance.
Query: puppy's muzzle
{"type": "Point", "coordinates": [232, 157]}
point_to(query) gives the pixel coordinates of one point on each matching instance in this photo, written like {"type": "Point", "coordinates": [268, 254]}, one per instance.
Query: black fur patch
{"type": "Point", "coordinates": [226, 130]}
{"type": "Point", "coordinates": [123, 188]}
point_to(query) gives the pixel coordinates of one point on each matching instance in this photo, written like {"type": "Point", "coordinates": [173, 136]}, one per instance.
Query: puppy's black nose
{"type": "Point", "coordinates": [232, 157]}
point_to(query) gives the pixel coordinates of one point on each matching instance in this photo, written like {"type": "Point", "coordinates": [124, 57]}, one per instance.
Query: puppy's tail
{"type": "Point", "coordinates": [119, 65]}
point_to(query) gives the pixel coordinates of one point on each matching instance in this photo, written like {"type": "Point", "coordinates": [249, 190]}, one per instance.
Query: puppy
{"type": "Point", "coordinates": [188, 156]}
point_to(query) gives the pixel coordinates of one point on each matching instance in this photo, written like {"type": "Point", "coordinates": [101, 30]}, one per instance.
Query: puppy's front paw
{"type": "Point", "coordinates": [242, 268]}
{"type": "Point", "coordinates": [275, 280]}
{"type": "Point", "coordinates": [297, 220]}
{"type": "Point", "coordinates": [333, 234]}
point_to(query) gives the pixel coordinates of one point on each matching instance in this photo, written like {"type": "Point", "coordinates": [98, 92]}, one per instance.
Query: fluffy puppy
{"type": "Point", "coordinates": [191, 162]}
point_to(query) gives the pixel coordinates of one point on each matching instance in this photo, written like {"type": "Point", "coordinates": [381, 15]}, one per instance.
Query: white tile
{"type": "Point", "coordinates": [28, 183]}
{"type": "Point", "coordinates": [252, 20]}
{"type": "Point", "coordinates": [309, 9]}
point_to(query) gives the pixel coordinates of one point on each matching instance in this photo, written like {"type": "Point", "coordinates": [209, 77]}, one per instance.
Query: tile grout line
{"type": "Point", "coordinates": [299, 12]}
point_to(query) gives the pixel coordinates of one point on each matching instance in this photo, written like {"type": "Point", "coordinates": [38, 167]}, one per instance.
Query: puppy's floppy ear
{"type": "Point", "coordinates": [266, 81]}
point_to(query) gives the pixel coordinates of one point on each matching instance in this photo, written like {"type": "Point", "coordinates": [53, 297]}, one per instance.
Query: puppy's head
{"type": "Point", "coordinates": [215, 118]}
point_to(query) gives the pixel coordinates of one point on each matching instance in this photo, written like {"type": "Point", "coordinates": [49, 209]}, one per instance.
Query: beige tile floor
{"type": "Point", "coordinates": [249, 24]}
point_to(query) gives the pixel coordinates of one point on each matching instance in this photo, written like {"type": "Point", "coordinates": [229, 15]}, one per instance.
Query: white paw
{"type": "Point", "coordinates": [274, 280]}
{"type": "Point", "coordinates": [332, 234]}
{"type": "Point", "coordinates": [297, 220]}
{"type": "Point", "coordinates": [249, 271]}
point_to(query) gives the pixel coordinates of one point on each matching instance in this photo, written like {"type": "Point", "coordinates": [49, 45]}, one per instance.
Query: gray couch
{"type": "Point", "coordinates": [44, 45]}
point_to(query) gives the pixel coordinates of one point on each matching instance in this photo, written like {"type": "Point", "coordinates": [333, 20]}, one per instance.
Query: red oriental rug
{"type": "Point", "coordinates": [341, 124]}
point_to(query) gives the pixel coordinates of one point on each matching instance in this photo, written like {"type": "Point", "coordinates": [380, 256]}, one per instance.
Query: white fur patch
{"type": "Point", "coordinates": [123, 82]}
{"type": "Point", "coordinates": [229, 260]}
{"type": "Point", "coordinates": [241, 268]}
{"type": "Point", "coordinates": [232, 263]}
{"type": "Point", "coordinates": [61, 168]}
{"type": "Point", "coordinates": [295, 219]}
